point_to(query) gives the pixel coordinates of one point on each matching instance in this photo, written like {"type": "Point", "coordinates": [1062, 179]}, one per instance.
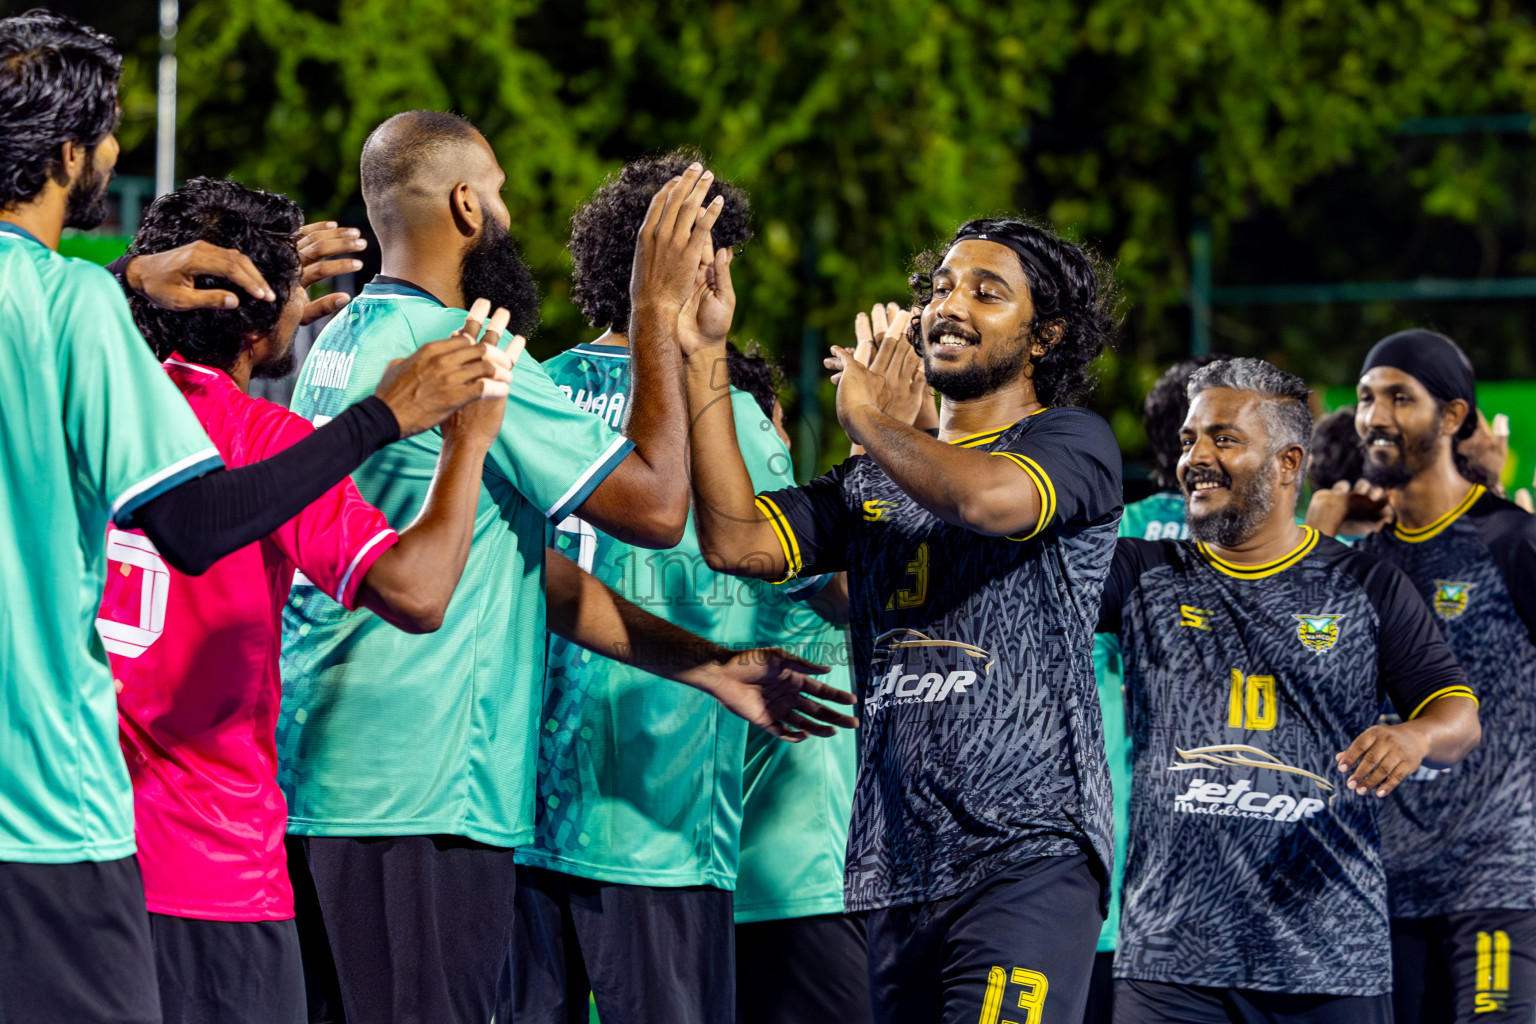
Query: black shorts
{"type": "Point", "coordinates": [228, 972]}
{"type": "Point", "coordinates": [75, 944]}
{"type": "Point", "coordinates": [1022, 941]}
{"type": "Point", "coordinates": [802, 970]}
{"type": "Point", "coordinates": [1475, 966]}
{"type": "Point", "coordinates": [417, 925]}
{"type": "Point", "coordinates": [646, 954]}
{"type": "Point", "coordinates": [1101, 990]}
{"type": "Point", "coordinates": [1158, 1002]}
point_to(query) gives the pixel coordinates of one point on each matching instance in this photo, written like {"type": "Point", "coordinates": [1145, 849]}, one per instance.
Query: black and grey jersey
{"type": "Point", "coordinates": [981, 744]}
{"type": "Point", "coordinates": [1250, 865]}
{"type": "Point", "coordinates": [1465, 838]}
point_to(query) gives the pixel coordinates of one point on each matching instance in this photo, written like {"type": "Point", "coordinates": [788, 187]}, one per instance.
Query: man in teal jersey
{"type": "Point", "coordinates": [408, 762]}
{"type": "Point", "coordinates": [626, 886]}
{"type": "Point", "coordinates": [1160, 517]}
{"type": "Point", "coordinates": [93, 432]}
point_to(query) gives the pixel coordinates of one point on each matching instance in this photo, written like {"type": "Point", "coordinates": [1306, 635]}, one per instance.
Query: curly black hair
{"type": "Point", "coordinates": [1069, 285]}
{"type": "Point", "coordinates": [262, 225]}
{"type": "Point", "coordinates": [58, 84]}
{"type": "Point", "coordinates": [603, 231]}
{"type": "Point", "coordinates": [1163, 414]}
{"type": "Point", "coordinates": [1337, 452]}
{"type": "Point", "coordinates": [754, 374]}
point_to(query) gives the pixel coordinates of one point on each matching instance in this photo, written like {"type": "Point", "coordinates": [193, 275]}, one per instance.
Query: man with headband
{"type": "Point", "coordinates": [1459, 845]}
{"type": "Point", "coordinates": [980, 841]}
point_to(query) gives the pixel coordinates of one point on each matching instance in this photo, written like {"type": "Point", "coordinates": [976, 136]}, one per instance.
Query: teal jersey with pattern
{"type": "Point", "coordinates": [797, 797]}
{"type": "Point", "coordinates": [91, 428]}
{"type": "Point", "coordinates": [1160, 517]}
{"type": "Point", "coordinates": [387, 733]}
{"type": "Point", "coordinates": [639, 776]}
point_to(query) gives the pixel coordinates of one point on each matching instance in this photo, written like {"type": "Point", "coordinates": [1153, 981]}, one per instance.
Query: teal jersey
{"type": "Point", "coordinates": [387, 733]}
{"type": "Point", "coordinates": [640, 777]}
{"type": "Point", "coordinates": [798, 797]}
{"type": "Point", "coordinates": [1160, 517]}
{"type": "Point", "coordinates": [91, 428]}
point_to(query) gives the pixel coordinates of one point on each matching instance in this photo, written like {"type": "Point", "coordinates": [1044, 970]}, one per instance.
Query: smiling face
{"type": "Point", "coordinates": [1404, 429]}
{"type": "Point", "coordinates": [1232, 482]}
{"type": "Point", "coordinates": [976, 328]}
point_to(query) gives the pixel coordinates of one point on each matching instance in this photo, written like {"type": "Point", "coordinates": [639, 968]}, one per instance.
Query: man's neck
{"type": "Point", "coordinates": [1277, 537]}
{"type": "Point", "coordinates": [43, 217]}
{"type": "Point", "coordinates": [1006, 405]}
{"type": "Point", "coordinates": [432, 268]}
{"type": "Point", "coordinates": [1430, 494]}
{"type": "Point", "coordinates": [611, 337]}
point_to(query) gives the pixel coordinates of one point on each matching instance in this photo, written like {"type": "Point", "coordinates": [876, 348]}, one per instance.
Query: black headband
{"type": "Point", "coordinates": [1431, 358]}
{"type": "Point", "coordinates": [1033, 269]}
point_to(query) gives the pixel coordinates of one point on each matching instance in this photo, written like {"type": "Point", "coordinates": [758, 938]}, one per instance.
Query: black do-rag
{"type": "Point", "coordinates": [1437, 363]}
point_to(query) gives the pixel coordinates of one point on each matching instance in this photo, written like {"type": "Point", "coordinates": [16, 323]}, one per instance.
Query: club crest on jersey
{"type": "Point", "coordinates": [904, 660]}
{"type": "Point", "coordinates": [1318, 633]}
{"type": "Point", "coordinates": [1451, 598]}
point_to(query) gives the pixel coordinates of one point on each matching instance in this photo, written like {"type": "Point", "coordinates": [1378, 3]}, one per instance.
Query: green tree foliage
{"type": "Point", "coordinates": [864, 129]}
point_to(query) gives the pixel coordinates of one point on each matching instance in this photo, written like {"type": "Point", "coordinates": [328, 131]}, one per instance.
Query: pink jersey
{"type": "Point", "coordinates": [195, 663]}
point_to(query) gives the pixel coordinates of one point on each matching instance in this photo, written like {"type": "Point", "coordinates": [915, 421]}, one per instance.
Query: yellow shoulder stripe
{"type": "Point", "coordinates": [985, 437]}
{"type": "Point", "coordinates": [1437, 527]}
{"type": "Point", "coordinates": [1042, 481]}
{"type": "Point", "coordinates": [1449, 691]}
{"type": "Point", "coordinates": [785, 533]}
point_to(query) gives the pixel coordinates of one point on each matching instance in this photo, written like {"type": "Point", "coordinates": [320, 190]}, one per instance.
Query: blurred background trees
{"type": "Point", "coordinates": [1291, 133]}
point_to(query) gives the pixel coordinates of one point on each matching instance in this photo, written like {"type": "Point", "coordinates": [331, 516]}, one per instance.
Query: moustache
{"type": "Point", "coordinates": [1372, 436]}
{"type": "Point", "coordinates": [946, 328]}
{"type": "Point", "coordinates": [1205, 476]}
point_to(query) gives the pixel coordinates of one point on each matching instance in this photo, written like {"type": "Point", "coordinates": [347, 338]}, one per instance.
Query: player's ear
{"type": "Point", "coordinates": [1293, 463]}
{"type": "Point", "coordinates": [467, 212]}
{"type": "Point", "coordinates": [1453, 414]}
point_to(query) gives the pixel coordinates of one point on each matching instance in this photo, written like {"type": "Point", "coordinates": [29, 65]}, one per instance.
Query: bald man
{"type": "Point", "coordinates": [409, 767]}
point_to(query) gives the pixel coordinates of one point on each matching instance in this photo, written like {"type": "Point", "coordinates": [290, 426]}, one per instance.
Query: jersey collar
{"type": "Point", "coordinates": [1438, 527]}
{"type": "Point", "coordinates": [986, 437]}
{"type": "Point", "coordinates": [382, 287]}
{"type": "Point", "coordinates": [588, 348]}
{"type": "Point", "coordinates": [7, 228]}
{"type": "Point", "coordinates": [1256, 572]}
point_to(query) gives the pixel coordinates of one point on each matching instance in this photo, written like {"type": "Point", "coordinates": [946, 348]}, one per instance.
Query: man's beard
{"type": "Point", "coordinates": [1248, 507]}
{"type": "Point", "coordinates": [979, 378]}
{"type": "Point", "coordinates": [1412, 454]}
{"type": "Point", "coordinates": [277, 367]}
{"type": "Point", "coordinates": [493, 269]}
{"type": "Point", "coordinates": [85, 206]}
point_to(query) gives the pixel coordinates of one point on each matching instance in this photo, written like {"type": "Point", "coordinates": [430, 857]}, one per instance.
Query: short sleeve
{"type": "Point", "coordinates": [1514, 549]}
{"type": "Point", "coordinates": [552, 452]}
{"type": "Point", "coordinates": [811, 522]}
{"type": "Point", "coordinates": [1131, 557]}
{"type": "Point", "coordinates": [1414, 663]}
{"type": "Point", "coordinates": [1073, 459]}
{"type": "Point", "coordinates": [132, 435]}
{"type": "Point", "coordinates": [336, 539]}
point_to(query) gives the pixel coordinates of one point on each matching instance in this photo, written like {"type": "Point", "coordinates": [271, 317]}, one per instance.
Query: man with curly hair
{"type": "Point", "coordinates": [626, 887]}
{"type": "Point", "coordinates": [981, 842]}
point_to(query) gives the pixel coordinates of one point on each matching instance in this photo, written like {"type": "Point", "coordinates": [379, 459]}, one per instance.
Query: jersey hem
{"type": "Point", "coordinates": [1003, 860]}
{"type": "Point", "coordinates": [156, 484]}
{"type": "Point", "coordinates": [588, 482]}
{"type": "Point", "coordinates": [1219, 981]}
{"type": "Point", "coordinates": [1425, 913]}
{"type": "Point", "coordinates": [788, 909]}
{"type": "Point", "coordinates": [93, 852]}
{"type": "Point", "coordinates": [240, 914]}
{"type": "Point", "coordinates": [344, 829]}
{"type": "Point", "coordinates": [625, 876]}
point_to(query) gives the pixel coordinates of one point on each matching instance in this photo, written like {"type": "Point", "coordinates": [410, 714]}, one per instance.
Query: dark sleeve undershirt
{"type": "Point", "coordinates": [199, 522]}
{"type": "Point", "coordinates": [118, 268]}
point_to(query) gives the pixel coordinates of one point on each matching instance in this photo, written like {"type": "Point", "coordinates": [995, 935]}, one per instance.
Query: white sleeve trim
{"type": "Point", "coordinates": [346, 577]}
{"type": "Point", "coordinates": [581, 481]}
{"type": "Point", "coordinates": [179, 466]}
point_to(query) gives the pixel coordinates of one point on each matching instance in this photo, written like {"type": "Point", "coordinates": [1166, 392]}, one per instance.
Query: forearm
{"type": "Point", "coordinates": [966, 488]}
{"type": "Point", "coordinates": [733, 535]}
{"type": "Point", "coordinates": [202, 520]}
{"type": "Point", "coordinates": [657, 416]}
{"type": "Point", "coordinates": [1448, 728]}
{"type": "Point", "coordinates": [580, 608]}
{"type": "Point", "coordinates": [411, 584]}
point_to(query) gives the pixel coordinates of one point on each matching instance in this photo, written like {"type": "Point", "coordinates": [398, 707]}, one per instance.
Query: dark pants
{"type": "Point", "coordinates": [75, 944]}
{"type": "Point", "coordinates": [1016, 947]}
{"type": "Point", "coordinates": [1101, 990]}
{"type": "Point", "coordinates": [1155, 1002]}
{"type": "Point", "coordinates": [647, 955]}
{"type": "Point", "coordinates": [802, 970]}
{"type": "Point", "coordinates": [417, 925]}
{"type": "Point", "coordinates": [228, 972]}
{"type": "Point", "coordinates": [1474, 966]}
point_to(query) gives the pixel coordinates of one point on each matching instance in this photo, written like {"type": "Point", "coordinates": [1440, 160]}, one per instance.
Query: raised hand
{"type": "Point", "coordinates": [705, 320]}
{"type": "Point", "coordinates": [169, 279]}
{"type": "Point", "coordinates": [441, 377]}
{"type": "Point", "coordinates": [320, 244]}
{"type": "Point", "coordinates": [479, 423]}
{"type": "Point", "coordinates": [774, 690]}
{"type": "Point", "coordinates": [672, 244]}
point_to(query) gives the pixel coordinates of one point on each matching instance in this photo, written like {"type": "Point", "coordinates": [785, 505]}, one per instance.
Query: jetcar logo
{"type": "Point", "coordinates": [901, 680]}
{"type": "Point", "coordinates": [1241, 799]}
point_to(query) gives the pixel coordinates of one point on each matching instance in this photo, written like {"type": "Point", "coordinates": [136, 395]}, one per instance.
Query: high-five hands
{"type": "Point", "coordinates": [889, 378]}
{"type": "Point", "coordinates": [672, 243]}
{"type": "Point", "coordinates": [443, 376]}
{"type": "Point", "coordinates": [479, 423]}
{"type": "Point", "coordinates": [774, 690]}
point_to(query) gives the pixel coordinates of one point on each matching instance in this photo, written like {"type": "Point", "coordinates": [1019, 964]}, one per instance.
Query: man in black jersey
{"type": "Point", "coordinates": [1256, 655]}
{"type": "Point", "coordinates": [1460, 846]}
{"type": "Point", "coordinates": [980, 838]}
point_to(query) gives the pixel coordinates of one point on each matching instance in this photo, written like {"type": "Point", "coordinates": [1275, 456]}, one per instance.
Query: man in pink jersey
{"type": "Point", "coordinates": [195, 659]}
